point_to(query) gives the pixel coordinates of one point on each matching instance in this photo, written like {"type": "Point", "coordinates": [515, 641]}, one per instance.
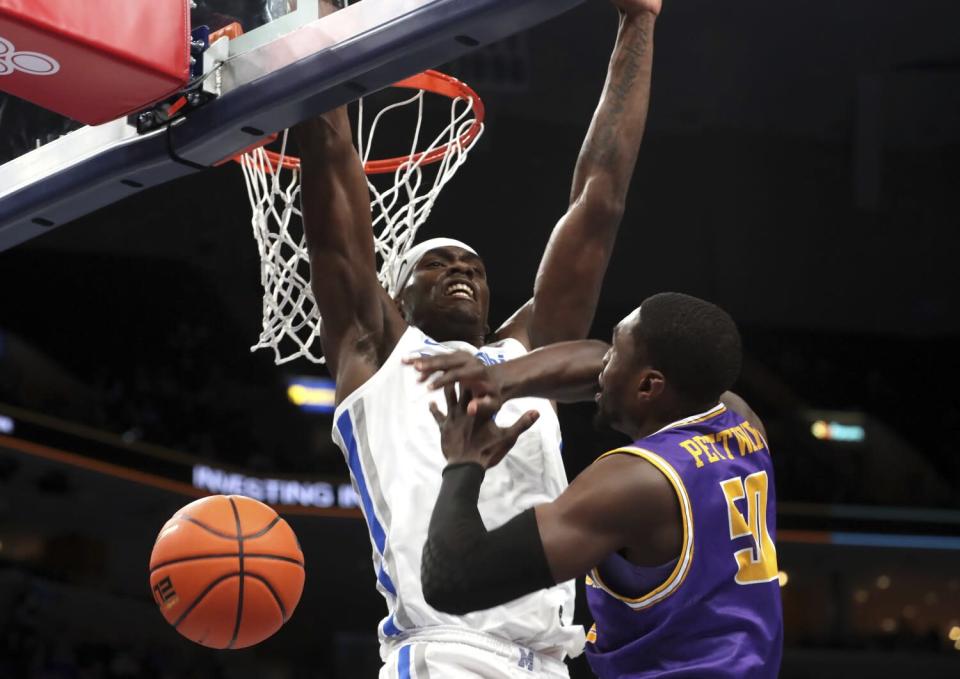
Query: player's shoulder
{"type": "Point", "coordinates": [517, 327]}
{"type": "Point", "coordinates": [635, 466]}
{"type": "Point", "coordinates": [630, 478]}
{"type": "Point", "coordinates": [510, 343]}
{"type": "Point", "coordinates": [625, 494]}
{"type": "Point", "coordinates": [735, 403]}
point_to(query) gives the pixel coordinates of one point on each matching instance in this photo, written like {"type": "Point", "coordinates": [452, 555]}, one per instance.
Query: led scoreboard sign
{"type": "Point", "coordinates": [39, 436]}
{"type": "Point", "coordinates": [323, 494]}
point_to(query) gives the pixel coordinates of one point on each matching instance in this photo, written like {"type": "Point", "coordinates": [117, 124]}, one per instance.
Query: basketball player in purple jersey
{"type": "Point", "coordinates": [675, 532]}
{"type": "Point", "coordinates": [382, 424]}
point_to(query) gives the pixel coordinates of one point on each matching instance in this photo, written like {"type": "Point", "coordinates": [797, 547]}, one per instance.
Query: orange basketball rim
{"type": "Point", "coordinates": [431, 81]}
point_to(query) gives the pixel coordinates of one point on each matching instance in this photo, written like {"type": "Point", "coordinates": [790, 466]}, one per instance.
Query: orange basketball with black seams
{"type": "Point", "coordinates": [226, 571]}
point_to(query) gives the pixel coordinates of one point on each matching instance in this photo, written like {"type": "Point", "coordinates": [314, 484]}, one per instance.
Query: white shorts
{"type": "Point", "coordinates": [468, 656]}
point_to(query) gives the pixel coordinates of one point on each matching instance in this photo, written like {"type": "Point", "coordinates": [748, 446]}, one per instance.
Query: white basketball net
{"type": "Point", "coordinates": [291, 322]}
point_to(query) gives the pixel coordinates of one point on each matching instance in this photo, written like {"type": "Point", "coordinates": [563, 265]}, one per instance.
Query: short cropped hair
{"type": "Point", "coordinates": [695, 344]}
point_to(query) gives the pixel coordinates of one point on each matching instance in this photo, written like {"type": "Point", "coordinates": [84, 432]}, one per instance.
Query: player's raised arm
{"type": "Point", "coordinates": [360, 322]}
{"type": "Point", "coordinates": [357, 313]}
{"type": "Point", "coordinates": [615, 504]}
{"type": "Point", "coordinates": [573, 266]}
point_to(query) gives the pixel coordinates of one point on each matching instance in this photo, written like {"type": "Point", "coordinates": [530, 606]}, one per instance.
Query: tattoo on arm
{"type": "Point", "coordinates": [628, 65]}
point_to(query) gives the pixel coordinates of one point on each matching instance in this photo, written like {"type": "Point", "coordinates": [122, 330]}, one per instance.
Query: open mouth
{"type": "Point", "coordinates": [461, 291]}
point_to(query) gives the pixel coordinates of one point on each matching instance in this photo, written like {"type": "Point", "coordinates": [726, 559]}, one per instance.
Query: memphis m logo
{"type": "Point", "coordinates": [32, 63]}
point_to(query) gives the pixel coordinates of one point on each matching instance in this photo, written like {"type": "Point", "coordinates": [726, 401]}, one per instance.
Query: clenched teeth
{"type": "Point", "coordinates": [460, 290]}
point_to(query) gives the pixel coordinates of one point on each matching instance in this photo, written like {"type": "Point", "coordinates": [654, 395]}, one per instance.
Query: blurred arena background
{"type": "Point", "coordinates": [811, 146]}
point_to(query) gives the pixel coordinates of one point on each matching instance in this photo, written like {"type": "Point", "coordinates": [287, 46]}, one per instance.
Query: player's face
{"type": "Point", "coordinates": [618, 377]}
{"type": "Point", "coordinates": [448, 292]}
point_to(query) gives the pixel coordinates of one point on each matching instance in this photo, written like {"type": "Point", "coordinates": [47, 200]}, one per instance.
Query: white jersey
{"type": "Point", "coordinates": [392, 446]}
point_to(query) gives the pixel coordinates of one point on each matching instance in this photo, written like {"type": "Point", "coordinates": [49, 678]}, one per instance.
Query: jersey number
{"type": "Point", "coordinates": [758, 563]}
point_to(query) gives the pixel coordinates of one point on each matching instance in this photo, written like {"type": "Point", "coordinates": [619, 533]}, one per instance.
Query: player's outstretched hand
{"type": "Point", "coordinates": [465, 369]}
{"type": "Point", "coordinates": [467, 438]}
{"type": "Point", "coordinates": [632, 7]}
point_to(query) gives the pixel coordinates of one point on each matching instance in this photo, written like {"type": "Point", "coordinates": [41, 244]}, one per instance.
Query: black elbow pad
{"type": "Point", "coordinates": [464, 568]}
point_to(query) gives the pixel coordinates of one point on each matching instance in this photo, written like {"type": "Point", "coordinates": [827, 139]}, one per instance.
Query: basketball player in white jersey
{"type": "Point", "coordinates": [382, 421]}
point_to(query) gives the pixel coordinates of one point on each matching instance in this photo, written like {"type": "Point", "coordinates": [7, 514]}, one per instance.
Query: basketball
{"type": "Point", "coordinates": [226, 571]}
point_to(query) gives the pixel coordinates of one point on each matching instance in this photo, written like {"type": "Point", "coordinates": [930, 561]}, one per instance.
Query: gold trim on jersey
{"type": "Point", "coordinates": [592, 634]}
{"type": "Point", "coordinates": [718, 409]}
{"type": "Point", "coordinates": [679, 574]}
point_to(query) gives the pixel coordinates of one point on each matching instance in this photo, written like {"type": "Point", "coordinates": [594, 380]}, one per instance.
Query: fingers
{"type": "Point", "coordinates": [527, 420]}
{"type": "Point", "coordinates": [450, 393]}
{"type": "Point", "coordinates": [483, 407]}
{"type": "Point", "coordinates": [469, 374]}
{"type": "Point", "coordinates": [427, 365]}
{"type": "Point", "coordinates": [437, 415]}
{"type": "Point", "coordinates": [509, 436]}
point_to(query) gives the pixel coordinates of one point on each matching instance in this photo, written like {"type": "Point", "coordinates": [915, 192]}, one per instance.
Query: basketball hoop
{"type": "Point", "coordinates": [290, 319]}
{"type": "Point", "coordinates": [431, 81]}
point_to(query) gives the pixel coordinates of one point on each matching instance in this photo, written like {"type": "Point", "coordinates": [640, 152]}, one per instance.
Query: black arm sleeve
{"type": "Point", "coordinates": [466, 568]}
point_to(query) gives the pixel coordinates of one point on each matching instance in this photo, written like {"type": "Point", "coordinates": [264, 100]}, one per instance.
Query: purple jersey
{"type": "Point", "coordinates": [715, 612]}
